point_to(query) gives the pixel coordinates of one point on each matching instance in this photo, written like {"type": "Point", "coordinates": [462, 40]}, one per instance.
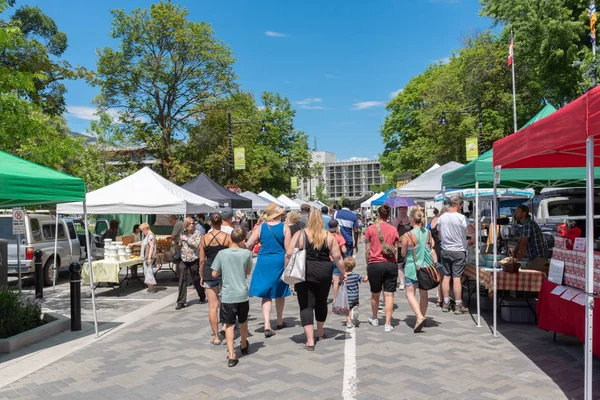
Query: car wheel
{"type": "Point", "coordinates": [48, 272]}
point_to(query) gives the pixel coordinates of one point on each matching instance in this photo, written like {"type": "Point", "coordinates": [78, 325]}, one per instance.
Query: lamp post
{"type": "Point", "coordinates": [230, 123]}
{"type": "Point", "coordinates": [469, 110]}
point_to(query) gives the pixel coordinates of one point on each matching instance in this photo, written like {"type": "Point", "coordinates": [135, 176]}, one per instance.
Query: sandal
{"type": "Point", "coordinates": [439, 303]}
{"type": "Point", "coordinates": [244, 350]}
{"type": "Point", "coordinates": [215, 342]}
{"type": "Point", "coordinates": [232, 362]}
{"type": "Point", "coordinates": [269, 333]}
{"type": "Point", "coordinates": [283, 325]}
{"type": "Point", "coordinates": [321, 337]}
{"type": "Point", "coordinates": [221, 335]}
{"type": "Point", "coordinates": [309, 348]}
{"type": "Point", "coordinates": [419, 325]}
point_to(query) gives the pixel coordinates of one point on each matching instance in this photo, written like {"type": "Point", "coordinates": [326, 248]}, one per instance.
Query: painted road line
{"type": "Point", "coordinates": [350, 380]}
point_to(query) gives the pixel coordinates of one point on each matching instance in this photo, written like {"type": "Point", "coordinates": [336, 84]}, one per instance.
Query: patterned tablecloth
{"type": "Point", "coordinates": [105, 271]}
{"type": "Point", "coordinates": [524, 281]}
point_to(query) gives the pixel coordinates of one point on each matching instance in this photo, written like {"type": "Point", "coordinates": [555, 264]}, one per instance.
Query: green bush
{"type": "Point", "coordinates": [18, 313]}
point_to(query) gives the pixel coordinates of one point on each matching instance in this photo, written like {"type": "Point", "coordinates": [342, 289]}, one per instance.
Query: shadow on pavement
{"type": "Point", "coordinates": [562, 361]}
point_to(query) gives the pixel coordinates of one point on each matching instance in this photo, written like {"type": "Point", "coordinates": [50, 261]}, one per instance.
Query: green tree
{"type": "Point", "coordinates": [320, 194]}
{"type": "Point", "coordinates": [164, 70]}
{"type": "Point", "coordinates": [551, 37]}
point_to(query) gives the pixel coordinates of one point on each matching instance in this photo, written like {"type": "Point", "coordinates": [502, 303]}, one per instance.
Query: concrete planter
{"type": "Point", "coordinates": [55, 323]}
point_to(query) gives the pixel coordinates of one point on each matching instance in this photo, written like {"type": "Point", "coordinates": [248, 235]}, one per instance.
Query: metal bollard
{"type": "Point", "coordinates": [75, 281]}
{"type": "Point", "coordinates": [39, 275]}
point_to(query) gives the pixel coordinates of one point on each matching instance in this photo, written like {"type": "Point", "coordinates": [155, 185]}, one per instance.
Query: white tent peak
{"type": "Point", "coordinates": [143, 192]}
{"type": "Point", "coordinates": [291, 204]}
{"type": "Point", "coordinates": [428, 184]}
{"type": "Point", "coordinates": [271, 198]}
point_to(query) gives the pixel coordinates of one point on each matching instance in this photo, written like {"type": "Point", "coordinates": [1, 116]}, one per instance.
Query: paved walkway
{"type": "Point", "coordinates": [166, 355]}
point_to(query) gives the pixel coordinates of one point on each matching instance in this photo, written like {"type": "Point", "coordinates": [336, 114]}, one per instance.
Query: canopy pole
{"type": "Point", "coordinates": [589, 274]}
{"type": "Point", "coordinates": [495, 239]}
{"type": "Point", "coordinates": [54, 269]}
{"type": "Point", "coordinates": [477, 252]}
{"type": "Point", "coordinates": [89, 258]}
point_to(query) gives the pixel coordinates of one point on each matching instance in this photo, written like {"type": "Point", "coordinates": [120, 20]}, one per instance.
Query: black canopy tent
{"type": "Point", "coordinates": [203, 186]}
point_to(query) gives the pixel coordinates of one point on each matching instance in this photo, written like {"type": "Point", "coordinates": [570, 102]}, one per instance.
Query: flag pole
{"type": "Point", "coordinates": [514, 90]}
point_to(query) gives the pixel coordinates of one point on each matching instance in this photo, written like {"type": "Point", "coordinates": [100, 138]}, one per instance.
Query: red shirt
{"type": "Point", "coordinates": [340, 241]}
{"type": "Point", "coordinates": [390, 236]}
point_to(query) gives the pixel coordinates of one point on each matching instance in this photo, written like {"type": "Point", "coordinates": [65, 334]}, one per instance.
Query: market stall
{"type": "Point", "coordinates": [203, 186]}
{"type": "Point", "coordinates": [143, 192]}
{"type": "Point", "coordinates": [427, 185]}
{"type": "Point", "coordinates": [258, 202]}
{"type": "Point", "coordinates": [272, 199]}
{"type": "Point", "coordinates": [27, 184]}
{"type": "Point", "coordinates": [289, 203]}
{"type": "Point", "coordinates": [564, 139]}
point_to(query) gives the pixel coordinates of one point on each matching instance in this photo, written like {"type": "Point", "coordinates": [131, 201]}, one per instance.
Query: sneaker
{"type": "Point", "coordinates": [401, 286]}
{"type": "Point", "coordinates": [461, 309]}
{"type": "Point", "coordinates": [349, 325]}
{"type": "Point", "coordinates": [354, 313]}
{"type": "Point", "coordinates": [373, 321]}
{"type": "Point", "coordinates": [446, 307]}
{"type": "Point", "coordinates": [388, 328]}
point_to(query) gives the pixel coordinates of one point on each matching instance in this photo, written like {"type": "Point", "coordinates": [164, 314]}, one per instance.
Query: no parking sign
{"type": "Point", "coordinates": [18, 221]}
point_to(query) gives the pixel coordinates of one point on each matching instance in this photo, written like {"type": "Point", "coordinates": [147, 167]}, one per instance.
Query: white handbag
{"type": "Point", "coordinates": [295, 270]}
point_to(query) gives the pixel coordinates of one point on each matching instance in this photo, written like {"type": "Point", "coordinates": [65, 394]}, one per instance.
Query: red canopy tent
{"type": "Point", "coordinates": [564, 139]}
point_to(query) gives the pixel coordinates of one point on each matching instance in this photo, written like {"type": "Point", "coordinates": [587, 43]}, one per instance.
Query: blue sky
{"type": "Point", "coordinates": [337, 61]}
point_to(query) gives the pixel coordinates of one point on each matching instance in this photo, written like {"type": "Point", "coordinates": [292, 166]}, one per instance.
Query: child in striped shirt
{"type": "Point", "coordinates": [352, 285]}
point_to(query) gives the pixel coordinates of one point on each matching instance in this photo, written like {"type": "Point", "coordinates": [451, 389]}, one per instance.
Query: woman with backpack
{"type": "Point", "coordinates": [418, 250]}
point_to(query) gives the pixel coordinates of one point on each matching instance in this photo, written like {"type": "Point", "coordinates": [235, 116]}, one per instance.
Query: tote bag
{"type": "Point", "coordinates": [295, 270]}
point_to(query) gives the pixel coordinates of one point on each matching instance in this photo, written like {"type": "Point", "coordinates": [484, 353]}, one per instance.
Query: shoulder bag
{"type": "Point", "coordinates": [428, 276]}
{"type": "Point", "coordinates": [295, 270]}
{"type": "Point", "coordinates": [386, 249]}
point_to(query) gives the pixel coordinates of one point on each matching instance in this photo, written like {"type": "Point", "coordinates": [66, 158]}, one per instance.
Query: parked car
{"type": "Point", "coordinates": [40, 235]}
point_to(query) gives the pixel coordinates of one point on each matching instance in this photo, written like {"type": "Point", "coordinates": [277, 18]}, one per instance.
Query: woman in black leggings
{"type": "Point", "coordinates": [313, 292]}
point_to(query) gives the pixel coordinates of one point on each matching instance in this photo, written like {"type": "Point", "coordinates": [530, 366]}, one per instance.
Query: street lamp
{"type": "Point", "coordinates": [230, 123]}
{"type": "Point", "coordinates": [468, 110]}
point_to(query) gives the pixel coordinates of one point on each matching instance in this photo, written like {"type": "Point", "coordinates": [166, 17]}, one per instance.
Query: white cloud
{"type": "Point", "coordinates": [314, 107]}
{"type": "Point", "coordinates": [276, 34]}
{"type": "Point", "coordinates": [395, 93]}
{"type": "Point", "coordinates": [260, 108]}
{"type": "Point", "coordinates": [83, 112]}
{"type": "Point", "coordinates": [363, 105]}
{"type": "Point", "coordinates": [287, 81]}
{"type": "Point", "coordinates": [332, 76]}
{"type": "Point", "coordinates": [444, 1]}
{"type": "Point", "coordinates": [444, 60]}
{"type": "Point", "coordinates": [309, 100]}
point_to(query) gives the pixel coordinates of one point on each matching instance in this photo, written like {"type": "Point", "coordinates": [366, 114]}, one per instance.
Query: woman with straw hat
{"type": "Point", "coordinates": [266, 278]}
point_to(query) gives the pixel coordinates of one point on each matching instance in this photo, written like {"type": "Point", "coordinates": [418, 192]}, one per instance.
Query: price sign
{"type": "Point", "coordinates": [18, 221]}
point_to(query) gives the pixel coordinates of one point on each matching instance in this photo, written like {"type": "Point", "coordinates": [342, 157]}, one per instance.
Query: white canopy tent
{"type": "Point", "coordinates": [428, 184]}
{"type": "Point", "coordinates": [258, 202]}
{"type": "Point", "coordinates": [289, 203]}
{"type": "Point", "coordinates": [300, 201]}
{"type": "Point", "coordinates": [143, 192]}
{"type": "Point", "coordinates": [314, 204]}
{"type": "Point", "coordinates": [271, 198]}
{"type": "Point", "coordinates": [367, 203]}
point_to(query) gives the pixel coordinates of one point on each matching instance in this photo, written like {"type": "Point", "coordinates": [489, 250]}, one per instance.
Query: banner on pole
{"type": "Point", "coordinates": [472, 148]}
{"type": "Point", "coordinates": [294, 180]}
{"type": "Point", "coordinates": [239, 158]}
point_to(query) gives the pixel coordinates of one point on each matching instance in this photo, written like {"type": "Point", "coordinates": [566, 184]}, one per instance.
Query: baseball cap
{"type": "Point", "coordinates": [226, 214]}
{"type": "Point", "coordinates": [333, 225]}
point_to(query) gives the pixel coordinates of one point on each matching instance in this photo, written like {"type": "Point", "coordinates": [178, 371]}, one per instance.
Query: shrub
{"type": "Point", "coordinates": [18, 313]}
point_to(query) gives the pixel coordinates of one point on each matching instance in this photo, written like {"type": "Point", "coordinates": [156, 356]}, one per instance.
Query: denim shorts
{"type": "Point", "coordinates": [410, 282]}
{"type": "Point", "coordinates": [336, 271]}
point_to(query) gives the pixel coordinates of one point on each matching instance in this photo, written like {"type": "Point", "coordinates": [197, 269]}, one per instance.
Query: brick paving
{"type": "Point", "coordinates": [167, 356]}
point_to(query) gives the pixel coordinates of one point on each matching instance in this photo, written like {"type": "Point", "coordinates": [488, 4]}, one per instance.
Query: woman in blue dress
{"type": "Point", "coordinates": [266, 279]}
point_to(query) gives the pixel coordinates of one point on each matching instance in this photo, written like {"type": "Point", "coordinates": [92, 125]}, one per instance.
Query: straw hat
{"type": "Point", "coordinates": [272, 211]}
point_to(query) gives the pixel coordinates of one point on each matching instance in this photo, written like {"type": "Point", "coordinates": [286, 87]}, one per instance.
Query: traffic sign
{"type": "Point", "coordinates": [18, 221]}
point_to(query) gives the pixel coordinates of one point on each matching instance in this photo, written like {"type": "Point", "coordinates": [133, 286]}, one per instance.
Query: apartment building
{"type": "Point", "coordinates": [352, 178]}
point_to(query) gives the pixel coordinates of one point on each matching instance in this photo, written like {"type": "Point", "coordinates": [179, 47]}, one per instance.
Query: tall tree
{"type": "Point", "coordinates": [165, 67]}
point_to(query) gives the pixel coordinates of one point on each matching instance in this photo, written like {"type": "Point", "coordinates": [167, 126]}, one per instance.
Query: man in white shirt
{"type": "Point", "coordinates": [227, 217]}
{"type": "Point", "coordinates": [453, 228]}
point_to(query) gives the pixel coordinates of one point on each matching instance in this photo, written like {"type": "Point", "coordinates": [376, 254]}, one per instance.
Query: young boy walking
{"type": "Point", "coordinates": [234, 265]}
{"type": "Point", "coordinates": [352, 284]}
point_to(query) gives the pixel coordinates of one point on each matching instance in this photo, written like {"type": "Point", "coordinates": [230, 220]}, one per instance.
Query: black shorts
{"type": "Point", "coordinates": [383, 275]}
{"type": "Point", "coordinates": [453, 263]}
{"type": "Point", "coordinates": [232, 311]}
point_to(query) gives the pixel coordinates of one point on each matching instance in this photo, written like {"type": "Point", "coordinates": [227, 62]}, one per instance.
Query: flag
{"type": "Point", "coordinates": [593, 19]}
{"type": "Point", "coordinates": [511, 50]}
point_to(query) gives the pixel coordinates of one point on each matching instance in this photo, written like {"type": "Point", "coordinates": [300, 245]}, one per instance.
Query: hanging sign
{"type": "Point", "coordinates": [472, 148]}
{"type": "Point", "coordinates": [579, 244]}
{"type": "Point", "coordinates": [497, 174]}
{"type": "Point", "coordinates": [18, 221]}
{"type": "Point", "coordinates": [294, 180]}
{"type": "Point", "coordinates": [239, 157]}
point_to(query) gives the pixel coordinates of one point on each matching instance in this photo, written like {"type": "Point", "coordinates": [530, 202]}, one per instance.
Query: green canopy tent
{"type": "Point", "coordinates": [23, 183]}
{"type": "Point", "coordinates": [544, 112]}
